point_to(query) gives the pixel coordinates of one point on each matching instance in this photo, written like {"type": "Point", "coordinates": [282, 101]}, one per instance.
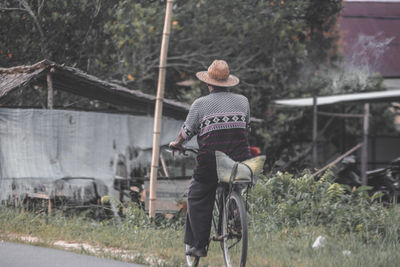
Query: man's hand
{"type": "Point", "coordinates": [176, 145]}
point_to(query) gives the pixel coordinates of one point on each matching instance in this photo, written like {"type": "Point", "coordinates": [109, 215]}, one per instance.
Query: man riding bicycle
{"type": "Point", "coordinates": [220, 120]}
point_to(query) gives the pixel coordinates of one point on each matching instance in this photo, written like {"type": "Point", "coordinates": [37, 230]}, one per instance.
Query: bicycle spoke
{"type": "Point", "coordinates": [234, 244]}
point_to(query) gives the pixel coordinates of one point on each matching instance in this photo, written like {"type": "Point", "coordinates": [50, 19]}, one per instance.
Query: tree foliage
{"type": "Point", "coordinates": [69, 32]}
{"type": "Point", "coordinates": [279, 49]}
{"type": "Point", "coordinates": [265, 42]}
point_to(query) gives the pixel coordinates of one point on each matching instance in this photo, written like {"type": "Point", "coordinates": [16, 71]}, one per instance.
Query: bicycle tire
{"type": "Point", "coordinates": [234, 230]}
{"type": "Point", "coordinates": [217, 215]}
{"type": "Point", "coordinates": [192, 261]}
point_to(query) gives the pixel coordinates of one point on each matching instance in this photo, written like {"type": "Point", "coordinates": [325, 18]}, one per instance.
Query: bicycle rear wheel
{"type": "Point", "coordinates": [234, 230]}
{"type": "Point", "coordinates": [192, 261]}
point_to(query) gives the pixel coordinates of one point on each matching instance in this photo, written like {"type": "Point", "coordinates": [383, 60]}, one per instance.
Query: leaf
{"type": "Point", "coordinates": [364, 188]}
{"type": "Point", "coordinates": [377, 195]}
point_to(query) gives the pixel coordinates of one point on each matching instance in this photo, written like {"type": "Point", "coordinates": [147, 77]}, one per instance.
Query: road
{"type": "Point", "coordinates": [21, 255]}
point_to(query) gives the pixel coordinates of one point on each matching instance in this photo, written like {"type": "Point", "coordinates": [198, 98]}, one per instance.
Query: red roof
{"type": "Point", "coordinates": [371, 35]}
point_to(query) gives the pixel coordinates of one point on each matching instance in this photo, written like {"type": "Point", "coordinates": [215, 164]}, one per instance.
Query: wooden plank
{"type": "Point", "coordinates": [169, 192]}
{"type": "Point", "coordinates": [50, 206]}
{"type": "Point", "coordinates": [341, 115]}
{"type": "Point", "coordinates": [338, 159]}
{"type": "Point", "coordinates": [164, 166]}
{"type": "Point", "coordinates": [39, 195]}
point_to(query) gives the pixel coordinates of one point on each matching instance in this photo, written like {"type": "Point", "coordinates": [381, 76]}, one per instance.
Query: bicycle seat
{"type": "Point", "coordinates": [247, 171]}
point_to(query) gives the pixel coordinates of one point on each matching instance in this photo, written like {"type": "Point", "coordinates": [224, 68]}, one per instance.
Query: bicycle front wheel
{"type": "Point", "coordinates": [234, 230]}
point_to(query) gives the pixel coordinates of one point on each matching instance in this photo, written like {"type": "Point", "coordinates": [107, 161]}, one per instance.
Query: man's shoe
{"type": "Point", "coordinates": [197, 252]}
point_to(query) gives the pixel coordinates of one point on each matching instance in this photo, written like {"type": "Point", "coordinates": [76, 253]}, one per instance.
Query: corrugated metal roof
{"type": "Point", "coordinates": [381, 96]}
{"type": "Point", "coordinates": [75, 81]}
{"type": "Point", "coordinates": [391, 84]}
{"type": "Point", "coordinates": [381, 20]}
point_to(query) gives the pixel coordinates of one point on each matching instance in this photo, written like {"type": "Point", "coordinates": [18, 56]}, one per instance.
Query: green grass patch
{"type": "Point", "coordinates": [284, 247]}
{"type": "Point", "coordinates": [287, 214]}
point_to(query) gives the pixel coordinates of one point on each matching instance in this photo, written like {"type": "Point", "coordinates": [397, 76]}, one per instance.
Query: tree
{"type": "Point", "coordinates": [266, 43]}
{"type": "Point", "coordinates": [279, 49]}
{"type": "Point", "coordinates": [69, 32]}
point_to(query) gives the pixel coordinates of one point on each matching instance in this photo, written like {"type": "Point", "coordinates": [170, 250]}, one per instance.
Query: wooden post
{"type": "Point", "coordinates": [315, 132]}
{"type": "Point", "coordinates": [364, 151]}
{"type": "Point", "coordinates": [50, 206]}
{"type": "Point", "coordinates": [158, 109]}
{"type": "Point", "coordinates": [50, 92]}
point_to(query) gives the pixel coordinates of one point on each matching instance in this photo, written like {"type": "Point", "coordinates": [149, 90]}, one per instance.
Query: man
{"type": "Point", "coordinates": [220, 120]}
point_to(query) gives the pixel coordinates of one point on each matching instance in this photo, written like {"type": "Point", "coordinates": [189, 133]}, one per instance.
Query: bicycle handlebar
{"type": "Point", "coordinates": [193, 150]}
{"type": "Point", "coordinates": [185, 149]}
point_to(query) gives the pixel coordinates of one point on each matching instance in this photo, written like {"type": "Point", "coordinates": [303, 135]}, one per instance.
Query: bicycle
{"type": "Point", "coordinates": [229, 221]}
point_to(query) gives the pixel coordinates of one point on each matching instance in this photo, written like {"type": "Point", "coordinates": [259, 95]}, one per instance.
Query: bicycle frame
{"type": "Point", "coordinates": [227, 193]}
{"type": "Point", "coordinates": [222, 195]}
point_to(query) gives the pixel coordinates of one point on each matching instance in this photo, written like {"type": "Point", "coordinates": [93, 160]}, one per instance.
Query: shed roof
{"type": "Point", "coordinates": [370, 33]}
{"type": "Point", "coordinates": [75, 81]}
{"type": "Point", "coordinates": [380, 96]}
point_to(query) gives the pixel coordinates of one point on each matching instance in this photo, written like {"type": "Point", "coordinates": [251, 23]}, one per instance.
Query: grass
{"type": "Point", "coordinates": [294, 248]}
{"type": "Point", "coordinates": [275, 247]}
{"type": "Point", "coordinates": [287, 214]}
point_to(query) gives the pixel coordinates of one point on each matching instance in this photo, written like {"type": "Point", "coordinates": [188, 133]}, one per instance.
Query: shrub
{"type": "Point", "coordinates": [283, 200]}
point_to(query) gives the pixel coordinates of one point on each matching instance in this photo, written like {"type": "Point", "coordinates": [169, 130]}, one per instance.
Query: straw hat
{"type": "Point", "coordinates": [218, 74]}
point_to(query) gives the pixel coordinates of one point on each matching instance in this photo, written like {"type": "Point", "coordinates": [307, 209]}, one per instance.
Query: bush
{"type": "Point", "coordinates": [283, 200]}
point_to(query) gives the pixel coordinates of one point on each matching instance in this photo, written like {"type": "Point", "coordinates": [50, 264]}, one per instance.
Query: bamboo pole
{"type": "Point", "coordinates": [364, 151]}
{"type": "Point", "coordinates": [158, 108]}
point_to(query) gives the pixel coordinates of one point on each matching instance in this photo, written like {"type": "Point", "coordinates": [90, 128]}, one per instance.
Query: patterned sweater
{"type": "Point", "coordinates": [220, 120]}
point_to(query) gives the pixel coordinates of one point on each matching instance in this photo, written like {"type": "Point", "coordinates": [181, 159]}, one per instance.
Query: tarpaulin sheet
{"type": "Point", "coordinates": [46, 145]}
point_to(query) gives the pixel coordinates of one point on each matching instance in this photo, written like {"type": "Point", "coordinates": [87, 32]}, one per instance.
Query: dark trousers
{"type": "Point", "coordinates": [201, 199]}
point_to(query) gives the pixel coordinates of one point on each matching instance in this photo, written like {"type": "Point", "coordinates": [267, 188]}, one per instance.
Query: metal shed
{"type": "Point", "coordinates": [365, 98]}
{"type": "Point", "coordinates": [48, 153]}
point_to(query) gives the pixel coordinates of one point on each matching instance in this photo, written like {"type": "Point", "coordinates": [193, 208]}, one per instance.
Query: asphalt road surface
{"type": "Point", "coordinates": [21, 255]}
